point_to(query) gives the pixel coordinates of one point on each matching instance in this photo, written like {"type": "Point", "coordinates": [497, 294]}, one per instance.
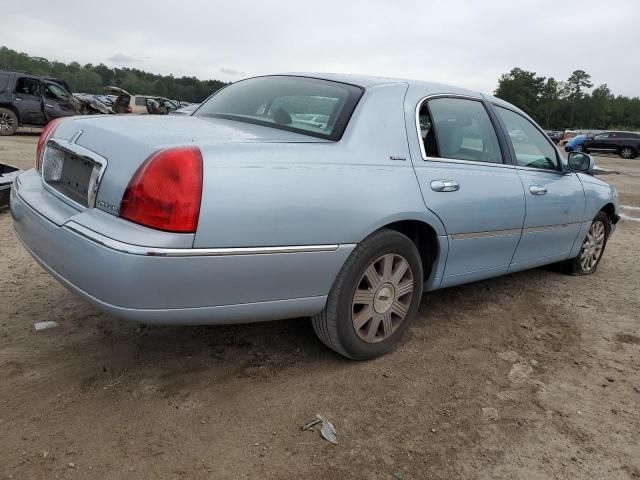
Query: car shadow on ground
{"type": "Point", "coordinates": [268, 347]}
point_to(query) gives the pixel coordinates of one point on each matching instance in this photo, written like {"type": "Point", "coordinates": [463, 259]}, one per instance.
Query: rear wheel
{"type": "Point", "coordinates": [627, 152]}
{"type": "Point", "coordinates": [592, 247]}
{"type": "Point", "coordinates": [8, 122]}
{"type": "Point", "coordinates": [579, 148]}
{"type": "Point", "coordinates": [374, 298]}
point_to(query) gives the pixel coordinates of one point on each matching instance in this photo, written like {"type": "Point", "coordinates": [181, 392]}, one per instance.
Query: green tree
{"type": "Point", "coordinates": [522, 88]}
{"type": "Point", "coordinates": [550, 99]}
{"type": "Point", "coordinates": [578, 80]}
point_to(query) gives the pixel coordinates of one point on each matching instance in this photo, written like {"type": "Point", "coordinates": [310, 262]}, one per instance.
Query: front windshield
{"type": "Point", "coordinates": [310, 106]}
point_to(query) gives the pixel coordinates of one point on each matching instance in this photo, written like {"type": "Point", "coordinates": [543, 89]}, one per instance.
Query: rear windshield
{"type": "Point", "coordinates": [319, 108]}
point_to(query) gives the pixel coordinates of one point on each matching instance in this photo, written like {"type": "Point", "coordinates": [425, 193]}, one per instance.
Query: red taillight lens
{"type": "Point", "coordinates": [44, 136]}
{"type": "Point", "coordinates": [165, 191]}
{"type": "Point", "coordinates": [128, 109]}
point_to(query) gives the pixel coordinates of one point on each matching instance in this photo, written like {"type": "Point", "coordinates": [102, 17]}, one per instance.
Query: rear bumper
{"type": "Point", "coordinates": [174, 289]}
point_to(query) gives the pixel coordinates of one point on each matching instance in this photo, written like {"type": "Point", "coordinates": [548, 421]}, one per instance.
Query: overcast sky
{"type": "Point", "coordinates": [467, 43]}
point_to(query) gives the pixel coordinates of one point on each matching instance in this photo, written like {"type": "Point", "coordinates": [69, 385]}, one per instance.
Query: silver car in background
{"type": "Point", "coordinates": [338, 197]}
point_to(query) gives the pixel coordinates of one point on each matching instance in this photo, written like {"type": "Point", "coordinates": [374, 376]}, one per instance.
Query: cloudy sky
{"type": "Point", "coordinates": [468, 43]}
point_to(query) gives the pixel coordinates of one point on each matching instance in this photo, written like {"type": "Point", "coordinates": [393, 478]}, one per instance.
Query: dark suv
{"type": "Point", "coordinates": [32, 100]}
{"type": "Point", "coordinates": [625, 144]}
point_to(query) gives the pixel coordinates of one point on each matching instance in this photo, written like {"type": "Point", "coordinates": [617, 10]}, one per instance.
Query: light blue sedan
{"type": "Point", "coordinates": [247, 211]}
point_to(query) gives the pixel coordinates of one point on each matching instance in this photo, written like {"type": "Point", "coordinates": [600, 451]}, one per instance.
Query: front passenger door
{"type": "Point", "coordinates": [554, 200]}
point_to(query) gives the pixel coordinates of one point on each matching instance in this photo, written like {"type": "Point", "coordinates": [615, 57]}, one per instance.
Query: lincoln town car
{"type": "Point", "coordinates": [337, 197]}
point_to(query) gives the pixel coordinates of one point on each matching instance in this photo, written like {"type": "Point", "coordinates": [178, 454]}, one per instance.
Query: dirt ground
{"type": "Point", "coordinates": [534, 375]}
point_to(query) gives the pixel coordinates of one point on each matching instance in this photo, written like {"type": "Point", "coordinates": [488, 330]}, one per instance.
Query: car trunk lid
{"type": "Point", "coordinates": [103, 153]}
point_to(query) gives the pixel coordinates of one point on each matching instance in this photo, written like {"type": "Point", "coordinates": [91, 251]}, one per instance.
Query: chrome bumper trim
{"type": "Point", "coordinates": [191, 252]}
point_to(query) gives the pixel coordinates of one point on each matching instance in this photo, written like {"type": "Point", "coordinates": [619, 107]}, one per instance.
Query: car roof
{"type": "Point", "coordinates": [368, 81]}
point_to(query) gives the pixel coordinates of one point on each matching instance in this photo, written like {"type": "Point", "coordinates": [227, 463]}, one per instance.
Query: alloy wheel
{"type": "Point", "coordinates": [6, 122]}
{"type": "Point", "coordinates": [382, 298]}
{"type": "Point", "coordinates": [626, 153]}
{"type": "Point", "coordinates": [593, 246]}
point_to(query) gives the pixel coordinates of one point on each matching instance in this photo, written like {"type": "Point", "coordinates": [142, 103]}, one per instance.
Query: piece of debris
{"type": "Point", "coordinates": [490, 413]}
{"type": "Point", "coordinates": [45, 325]}
{"type": "Point", "coordinates": [327, 430]}
{"type": "Point", "coordinates": [71, 465]}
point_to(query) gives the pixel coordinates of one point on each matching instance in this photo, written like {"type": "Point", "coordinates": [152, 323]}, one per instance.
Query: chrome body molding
{"type": "Point", "coordinates": [493, 233]}
{"type": "Point", "coordinates": [512, 231]}
{"type": "Point", "coordinates": [193, 252]}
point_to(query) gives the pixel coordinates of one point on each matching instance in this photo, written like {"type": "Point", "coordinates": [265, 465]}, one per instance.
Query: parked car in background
{"type": "Point", "coordinates": [566, 136]}
{"type": "Point", "coordinates": [575, 144]}
{"type": "Point", "coordinates": [555, 136]}
{"type": "Point", "coordinates": [186, 110]}
{"type": "Point", "coordinates": [32, 100]}
{"type": "Point", "coordinates": [625, 144]}
{"type": "Point", "coordinates": [241, 212]}
{"type": "Point", "coordinates": [518, 135]}
{"type": "Point", "coordinates": [141, 104]}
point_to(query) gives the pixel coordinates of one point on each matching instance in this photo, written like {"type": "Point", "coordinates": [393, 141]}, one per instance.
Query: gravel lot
{"type": "Point", "coordinates": [531, 375]}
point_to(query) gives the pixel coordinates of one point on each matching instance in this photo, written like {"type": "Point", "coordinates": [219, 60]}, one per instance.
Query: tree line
{"type": "Point", "coordinates": [554, 104]}
{"type": "Point", "coordinates": [569, 104]}
{"type": "Point", "coordinates": [93, 78]}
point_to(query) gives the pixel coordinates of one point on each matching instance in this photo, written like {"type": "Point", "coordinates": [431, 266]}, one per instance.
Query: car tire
{"type": "Point", "coordinates": [627, 152]}
{"type": "Point", "coordinates": [592, 247]}
{"type": "Point", "coordinates": [8, 122]}
{"type": "Point", "coordinates": [371, 303]}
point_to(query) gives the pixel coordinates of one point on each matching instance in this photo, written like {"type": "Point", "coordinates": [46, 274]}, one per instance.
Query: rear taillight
{"type": "Point", "coordinates": [42, 141]}
{"type": "Point", "coordinates": [165, 191]}
{"type": "Point", "coordinates": [128, 109]}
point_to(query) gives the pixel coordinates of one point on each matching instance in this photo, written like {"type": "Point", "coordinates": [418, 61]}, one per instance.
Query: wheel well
{"type": "Point", "coordinates": [610, 210]}
{"type": "Point", "coordinates": [8, 106]}
{"type": "Point", "coordinates": [424, 238]}
{"type": "Point", "coordinates": [627, 146]}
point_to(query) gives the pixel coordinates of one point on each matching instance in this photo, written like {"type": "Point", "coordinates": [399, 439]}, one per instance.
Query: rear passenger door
{"type": "Point", "coordinates": [466, 180]}
{"type": "Point", "coordinates": [555, 201]}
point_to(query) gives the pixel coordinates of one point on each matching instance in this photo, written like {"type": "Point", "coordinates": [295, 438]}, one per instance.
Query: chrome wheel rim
{"type": "Point", "coordinates": [382, 298]}
{"type": "Point", "coordinates": [6, 122]}
{"type": "Point", "coordinates": [592, 246]}
{"type": "Point", "coordinates": [579, 148]}
{"type": "Point", "coordinates": [625, 153]}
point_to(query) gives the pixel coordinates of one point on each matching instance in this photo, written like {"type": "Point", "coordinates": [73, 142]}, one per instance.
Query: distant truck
{"type": "Point", "coordinates": [32, 100]}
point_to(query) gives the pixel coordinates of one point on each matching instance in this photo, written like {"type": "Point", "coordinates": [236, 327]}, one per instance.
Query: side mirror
{"type": "Point", "coordinates": [580, 162]}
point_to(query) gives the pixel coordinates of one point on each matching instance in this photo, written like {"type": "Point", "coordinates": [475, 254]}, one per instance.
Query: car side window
{"type": "Point", "coordinates": [601, 136]}
{"type": "Point", "coordinates": [141, 101]}
{"type": "Point", "coordinates": [458, 129]}
{"type": "Point", "coordinates": [28, 86]}
{"type": "Point", "coordinates": [531, 146]}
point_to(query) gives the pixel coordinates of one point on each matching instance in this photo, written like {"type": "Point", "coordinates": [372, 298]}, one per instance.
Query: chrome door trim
{"type": "Point", "coordinates": [550, 227]}
{"type": "Point", "coordinates": [511, 231]}
{"type": "Point", "coordinates": [490, 233]}
{"type": "Point", "coordinates": [452, 160]}
{"type": "Point", "coordinates": [192, 252]}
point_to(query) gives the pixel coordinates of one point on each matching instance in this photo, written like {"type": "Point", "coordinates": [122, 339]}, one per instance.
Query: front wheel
{"type": "Point", "coordinates": [374, 298]}
{"type": "Point", "coordinates": [592, 247]}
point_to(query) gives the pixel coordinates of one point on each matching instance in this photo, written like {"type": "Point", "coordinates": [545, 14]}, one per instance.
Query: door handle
{"type": "Point", "coordinates": [537, 190]}
{"type": "Point", "coordinates": [49, 105]}
{"type": "Point", "coordinates": [445, 186]}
